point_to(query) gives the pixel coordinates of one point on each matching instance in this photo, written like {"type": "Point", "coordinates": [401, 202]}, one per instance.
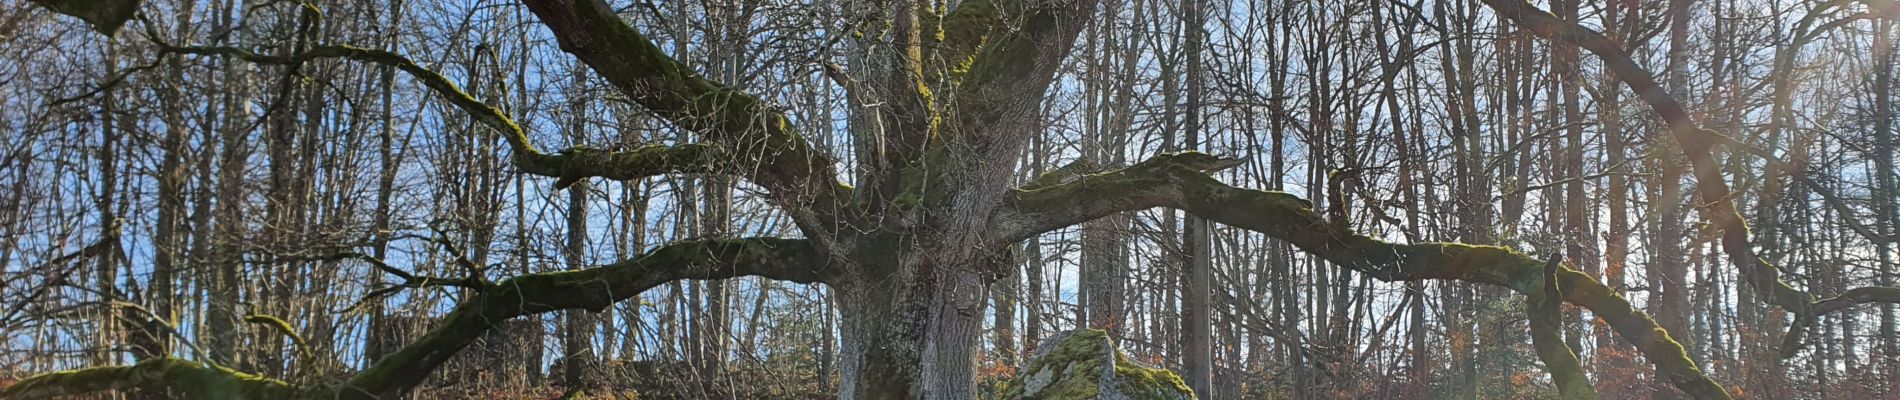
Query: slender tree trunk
{"type": "Point", "coordinates": [386, 176]}
{"type": "Point", "coordinates": [1669, 273]}
{"type": "Point", "coordinates": [1033, 267]}
{"type": "Point", "coordinates": [1614, 358]}
{"type": "Point", "coordinates": [106, 272]}
{"type": "Point", "coordinates": [1887, 204]}
{"type": "Point", "coordinates": [1580, 232]}
{"type": "Point", "coordinates": [579, 358]}
{"type": "Point", "coordinates": [1005, 294]}
{"type": "Point", "coordinates": [222, 328]}
{"type": "Point", "coordinates": [1196, 324]}
{"type": "Point", "coordinates": [1104, 266]}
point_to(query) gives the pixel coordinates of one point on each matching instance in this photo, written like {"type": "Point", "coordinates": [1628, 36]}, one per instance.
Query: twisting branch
{"type": "Point", "coordinates": [1791, 341]}
{"type": "Point", "coordinates": [1699, 144]}
{"type": "Point", "coordinates": [1178, 181]}
{"type": "Point", "coordinates": [1070, 195]}
{"type": "Point", "coordinates": [1546, 336]}
{"type": "Point", "coordinates": [1857, 296]}
{"type": "Point", "coordinates": [409, 279]}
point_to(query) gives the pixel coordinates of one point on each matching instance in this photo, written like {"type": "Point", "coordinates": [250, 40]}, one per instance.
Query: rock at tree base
{"type": "Point", "coordinates": [1084, 364]}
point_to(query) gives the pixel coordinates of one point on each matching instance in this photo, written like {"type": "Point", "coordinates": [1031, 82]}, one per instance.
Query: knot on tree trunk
{"type": "Point", "coordinates": [1085, 364]}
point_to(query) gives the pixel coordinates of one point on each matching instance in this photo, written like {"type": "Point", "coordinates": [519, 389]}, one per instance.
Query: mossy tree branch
{"type": "Point", "coordinates": [1000, 42]}
{"type": "Point", "coordinates": [592, 289]}
{"type": "Point", "coordinates": [1081, 192]}
{"type": "Point", "coordinates": [188, 378]}
{"type": "Point", "coordinates": [282, 327]}
{"type": "Point", "coordinates": [1063, 174]}
{"type": "Point", "coordinates": [1699, 144]}
{"type": "Point", "coordinates": [750, 132]}
{"type": "Point", "coordinates": [1178, 181]}
{"type": "Point", "coordinates": [1547, 338]}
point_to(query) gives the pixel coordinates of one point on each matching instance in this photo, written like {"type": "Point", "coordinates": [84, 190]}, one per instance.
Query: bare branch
{"type": "Point", "coordinates": [283, 328]}
{"type": "Point", "coordinates": [482, 112]}
{"type": "Point", "coordinates": [1791, 341]}
{"type": "Point", "coordinates": [575, 164]}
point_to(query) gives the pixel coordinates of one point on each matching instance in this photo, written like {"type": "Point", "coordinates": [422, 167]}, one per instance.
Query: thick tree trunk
{"type": "Point", "coordinates": [913, 334]}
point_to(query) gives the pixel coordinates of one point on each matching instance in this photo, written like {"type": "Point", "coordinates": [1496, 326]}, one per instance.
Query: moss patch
{"type": "Point", "coordinates": [1084, 364]}
{"type": "Point", "coordinates": [188, 378]}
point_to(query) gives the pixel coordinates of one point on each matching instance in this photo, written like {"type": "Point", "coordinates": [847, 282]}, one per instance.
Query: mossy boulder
{"type": "Point", "coordinates": [1085, 364]}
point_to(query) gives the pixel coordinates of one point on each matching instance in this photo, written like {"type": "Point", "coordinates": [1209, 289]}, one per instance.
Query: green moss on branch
{"type": "Point", "coordinates": [1172, 181]}
{"type": "Point", "coordinates": [1546, 313]}
{"type": "Point", "coordinates": [188, 378]}
{"type": "Point", "coordinates": [282, 327]}
{"type": "Point", "coordinates": [592, 289]}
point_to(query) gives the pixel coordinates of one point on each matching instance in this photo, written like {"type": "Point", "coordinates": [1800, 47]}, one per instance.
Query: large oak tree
{"type": "Point", "coordinates": [942, 107]}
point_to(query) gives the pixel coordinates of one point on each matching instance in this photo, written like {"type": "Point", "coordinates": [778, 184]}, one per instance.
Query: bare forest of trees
{"type": "Point", "coordinates": [907, 199]}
